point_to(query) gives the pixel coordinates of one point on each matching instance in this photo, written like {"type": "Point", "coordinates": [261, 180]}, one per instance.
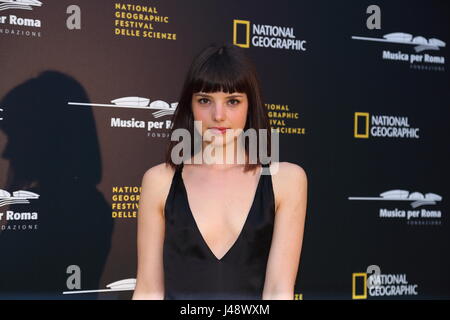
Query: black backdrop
{"type": "Point", "coordinates": [79, 163]}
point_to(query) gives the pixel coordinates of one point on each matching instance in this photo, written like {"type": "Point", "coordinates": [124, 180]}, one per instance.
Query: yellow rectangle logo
{"type": "Point", "coordinates": [357, 133]}
{"type": "Point", "coordinates": [246, 44]}
{"type": "Point", "coordinates": [359, 296]}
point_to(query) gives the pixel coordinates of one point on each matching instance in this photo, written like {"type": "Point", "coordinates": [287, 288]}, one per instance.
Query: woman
{"type": "Point", "coordinates": [220, 229]}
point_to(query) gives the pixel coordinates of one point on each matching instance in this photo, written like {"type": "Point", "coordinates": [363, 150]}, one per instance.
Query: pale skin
{"type": "Point", "coordinates": [220, 200]}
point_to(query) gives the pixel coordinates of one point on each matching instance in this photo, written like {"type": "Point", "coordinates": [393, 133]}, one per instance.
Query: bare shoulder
{"type": "Point", "coordinates": [156, 183]}
{"type": "Point", "coordinates": [288, 172]}
{"type": "Point", "coordinates": [288, 180]}
{"type": "Point", "coordinates": [159, 173]}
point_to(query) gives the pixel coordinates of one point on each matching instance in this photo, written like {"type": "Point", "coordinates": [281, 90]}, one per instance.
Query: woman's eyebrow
{"type": "Point", "coordinates": [230, 96]}
{"type": "Point", "coordinates": [202, 95]}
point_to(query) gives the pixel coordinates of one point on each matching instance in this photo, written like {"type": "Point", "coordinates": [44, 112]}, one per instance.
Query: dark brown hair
{"type": "Point", "coordinates": [221, 68]}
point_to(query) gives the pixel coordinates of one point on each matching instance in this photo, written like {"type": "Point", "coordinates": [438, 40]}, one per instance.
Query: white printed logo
{"type": "Point", "coordinates": [419, 42]}
{"type": "Point", "coordinates": [417, 199]}
{"type": "Point", "coordinates": [20, 196]}
{"type": "Point", "coordinates": [415, 216]}
{"type": "Point", "coordinates": [19, 4]}
{"type": "Point", "coordinates": [416, 60]}
{"type": "Point", "coordinates": [164, 108]}
{"type": "Point", "coordinates": [121, 285]}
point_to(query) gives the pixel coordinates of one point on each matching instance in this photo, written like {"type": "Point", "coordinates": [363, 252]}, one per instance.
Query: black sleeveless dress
{"type": "Point", "coordinates": [192, 271]}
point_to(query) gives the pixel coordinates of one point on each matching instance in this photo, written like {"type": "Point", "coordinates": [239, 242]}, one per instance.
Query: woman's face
{"type": "Point", "coordinates": [221, 114]}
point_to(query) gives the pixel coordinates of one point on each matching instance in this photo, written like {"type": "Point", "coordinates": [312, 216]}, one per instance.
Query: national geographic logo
{"type": "Point", "coordinates": [125, 201]}
{"type": "Point", "coordinates": [359, 285]}
{"type": "Point", "coordinates": [283, 120]}
{"type": "Point", "coordinates": [140, 21]}
{"type": "Point", "coordinates": [380, 285]}
{"type": "Point", "coordinates": [382, 126]}
{"type": "Point", "coordinates": [246, 34]}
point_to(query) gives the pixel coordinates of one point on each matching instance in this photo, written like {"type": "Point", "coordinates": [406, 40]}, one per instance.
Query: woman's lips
{"type": "Point", "coordinates": [220, 130]}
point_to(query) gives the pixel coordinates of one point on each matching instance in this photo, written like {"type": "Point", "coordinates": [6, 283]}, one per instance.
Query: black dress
{"type": "Point", "coordinates": [192, 271]}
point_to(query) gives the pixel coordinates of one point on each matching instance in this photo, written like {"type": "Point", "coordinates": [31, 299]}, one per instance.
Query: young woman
{"type": "Point", "coordinates": [220, 229]}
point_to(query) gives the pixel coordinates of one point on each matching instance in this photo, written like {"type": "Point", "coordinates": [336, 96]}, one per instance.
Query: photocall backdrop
{"type": "Point", "coordinates": [359, 94]}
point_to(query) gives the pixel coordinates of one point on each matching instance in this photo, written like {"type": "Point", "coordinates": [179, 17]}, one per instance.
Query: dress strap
{"type": "Point", "coordinates": [265, 169]}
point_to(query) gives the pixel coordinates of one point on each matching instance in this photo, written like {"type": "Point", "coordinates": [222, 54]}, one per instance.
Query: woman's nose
{"type": "Point", "coordinates": [219, 112]}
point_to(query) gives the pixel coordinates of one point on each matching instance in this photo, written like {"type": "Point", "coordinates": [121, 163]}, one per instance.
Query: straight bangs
{"type": "Point", "coordinates": [220, 73]}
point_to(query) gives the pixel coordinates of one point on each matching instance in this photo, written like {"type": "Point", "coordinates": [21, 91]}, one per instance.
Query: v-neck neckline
{"type": "Point", "coordinates": [243, 226]}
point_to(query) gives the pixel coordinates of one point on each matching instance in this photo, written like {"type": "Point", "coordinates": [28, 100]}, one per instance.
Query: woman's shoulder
{"type": "Point", "coordinates": [157, 180]}
{"type": "Point", "coordinates": [156, 184]}
{"type": "Point", "coordinates": [288, 179]}
{"type": "Point", "coordinates": [159, 172]}
{"type": "Point", "coordinates": [287, 171]}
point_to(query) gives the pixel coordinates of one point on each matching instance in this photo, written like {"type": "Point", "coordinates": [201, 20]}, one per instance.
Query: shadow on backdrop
{"type": "Point", "coordinates": [53, 151]}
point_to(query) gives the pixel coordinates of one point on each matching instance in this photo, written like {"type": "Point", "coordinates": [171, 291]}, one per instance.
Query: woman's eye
{"type": "Point", "coordinates": [234, 101]}
{"type": "Point", "coordinates": [203, 100]}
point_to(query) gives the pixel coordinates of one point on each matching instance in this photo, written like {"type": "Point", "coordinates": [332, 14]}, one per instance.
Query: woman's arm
{"type": "Point", "coordinates": [290, 183]}
{"type": "Point", "coordinates": [150, 234]}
